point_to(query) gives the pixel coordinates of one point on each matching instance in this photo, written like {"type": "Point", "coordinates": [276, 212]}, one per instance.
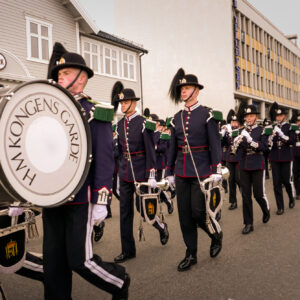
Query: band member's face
{"type": "Point", "coordinates": [159, 127]}
{"type": "Point", "coordinates": [235, 124]}
{"type": "Point", "coordinates": [128, 106]}
{"type": "Point", "coordinates": [187, 90]}
{"type": "Point", "coordinates": [250, 119]}
{"type": "Point", "coordinates": [66, 76]}
{"type": "Point", "coordinates": [280, 118]}
{"type": "Point", "coordinates": [298, 123]}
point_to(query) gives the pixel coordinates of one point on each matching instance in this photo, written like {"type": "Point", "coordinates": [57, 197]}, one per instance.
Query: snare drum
{"type": "Point", "coordinates": [45, 145]}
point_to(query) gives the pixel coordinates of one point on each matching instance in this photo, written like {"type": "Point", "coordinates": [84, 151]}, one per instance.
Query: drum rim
{"type": "Point", "coordinates": [84, 119]}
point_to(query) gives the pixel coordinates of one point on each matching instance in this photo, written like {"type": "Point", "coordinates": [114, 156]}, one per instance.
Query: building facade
{"type": "Point", "coordinates": [237, 54]}
{"type": "Point", "coordinates": [32, 27]}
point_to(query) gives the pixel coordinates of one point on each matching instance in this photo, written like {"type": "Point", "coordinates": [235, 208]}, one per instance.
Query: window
{"type": "Point", "coordinates": [91, 56]}
{"type": "Point", "coordinates": [39, 40]}
{"type": "Point", "coordinates": [110, 62]}
{"type": "Point", "coordinates": [128, 67]}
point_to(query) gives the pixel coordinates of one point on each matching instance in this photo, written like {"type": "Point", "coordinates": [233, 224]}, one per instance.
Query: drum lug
{"type": "Point", "coordinates": [51, 81]}
{"type": "Point", "coordinates": [90, 158]}
{"type": "Point", "coordinates": [71, 198]}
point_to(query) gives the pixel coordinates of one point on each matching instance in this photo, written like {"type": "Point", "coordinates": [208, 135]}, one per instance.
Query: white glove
{"type": "Point", "coordinates": [14, 211]}
{"type": "Point", "coordinates": [152, 182]}
{"type": "Point", "coordinates": [171, 180]}
{"type": "Point", "coordinates": [246, 134]}
{"type": "Point", "coordinates": [216, 177]}
{"type": "Point", "coordinates": [223, 131]}
{"type": "Point", "coordinates": [99, 213]}
{"type": "Point", "coordinates": [228, 128]}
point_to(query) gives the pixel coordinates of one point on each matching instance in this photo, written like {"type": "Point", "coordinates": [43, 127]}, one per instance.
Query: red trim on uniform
{"type": "Point", "coordinates": [137, 152]}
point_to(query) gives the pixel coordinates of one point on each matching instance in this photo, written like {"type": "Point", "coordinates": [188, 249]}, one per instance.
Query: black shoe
{"type": "Point", "coordinates": [123, 257]}
{"type": "Point", "coordinates": [280, 211]}
{"type": "Point", "coordinates": [298, 197]}
{"type": "Point", "coordinates": [164, 234]}
{"type": "Point", "coordinates": [247, 229]}
{"type": "Point", "coordinates": [216, 244]}
{"type": "Point", "coordinates": [266, 216]}
{"type": "Point", "coordinates": [218, 216]}
{"type": "Point", "coordinates": [109, 215]}
{"type": "Point", "coordinates": [292, 203]}
{"type": "Point", "coordinates": [173, 193]}
{"type": "Point", "coordinates": [267, 177]}
{"type": "Point", "coordinates": [232, 206]}
{"type": "Point", "coordinates": [98, 231]}
{"type": "Point", "coordinates": [186, 263]}
{"type": "Point", "coordinates": [123, 293]}
{"type": "Point", "coordinates": [170, 207]}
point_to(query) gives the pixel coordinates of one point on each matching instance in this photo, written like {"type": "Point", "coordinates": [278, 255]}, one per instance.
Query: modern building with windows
{"type": "Point", "coordinates": [32, 27]}
{"type": "Point", "coordinates": [237, 54]}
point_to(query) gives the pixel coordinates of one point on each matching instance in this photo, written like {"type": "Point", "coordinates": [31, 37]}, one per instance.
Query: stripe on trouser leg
{"type": "Point", "coordinates": [292, 180]}
{"type": "Point", "coordinates": [33, 266]}
{"type": "Point", "coordinates": [103, 274]}
{"type": "Point", "coordinates": [264, 190]}
{"type": "Point", "coordinates": [91, 265]}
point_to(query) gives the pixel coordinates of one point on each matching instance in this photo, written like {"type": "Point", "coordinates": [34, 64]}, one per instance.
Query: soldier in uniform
{"type": "Point", "coordinates": [251, 144]}
{"type": "Point", "coordinates": [267, 122]}
{"type": "Point", "coordinates": [135, 149]}
{"type": "Point", "coordinates": [232, 161]}
{"type": "Point", "coordinates": [281, 157]}
{"type": "Point", "coordinates": [196, 125]}
{"type": "Point", "coordinates": [67, 243]}
{"type": "Point", "coordinates": [161, 144]}
{"type": "Point", "coordinates": [296, 163]}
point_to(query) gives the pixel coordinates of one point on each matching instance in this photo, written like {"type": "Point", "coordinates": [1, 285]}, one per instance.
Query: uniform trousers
{"type": "Point", "coordinates": [234, 180]}
{"type": "Point", "coordinates": [127, 191]}
{"type": "Point", "coordinates": [253, 180]}
{"type": "Point", "coordinates": [67, 247]}
{"type": "Point", "coordinates": [296, 173]}
{"type": "Point", "coordinates": [191, 211]}
{"type": "Point", "coordinates": [282, 174]}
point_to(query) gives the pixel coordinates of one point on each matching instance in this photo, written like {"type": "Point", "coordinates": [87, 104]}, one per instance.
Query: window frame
{"type": "Point", "coordinates": [39, 23]}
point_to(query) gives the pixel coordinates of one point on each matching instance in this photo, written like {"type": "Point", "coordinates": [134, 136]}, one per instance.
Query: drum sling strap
{"type": "Point", "coordinates": [208, 220]}
{"type": "Point", "coordinates": [141, 229]}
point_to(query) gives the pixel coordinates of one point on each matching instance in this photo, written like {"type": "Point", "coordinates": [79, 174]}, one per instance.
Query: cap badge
{"type": "Point", "coordinates": [121, 96]}
{"type": "Point", "coordinates": [183, 80]}
{"type": "Point", "coordinates": [61, 61]}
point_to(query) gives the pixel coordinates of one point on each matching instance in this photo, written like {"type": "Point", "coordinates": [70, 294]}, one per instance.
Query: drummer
{"type": "Point", "coordinates": [67, 244]}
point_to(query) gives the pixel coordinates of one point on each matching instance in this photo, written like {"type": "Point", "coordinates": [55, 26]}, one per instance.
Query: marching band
{"type": "Point", "coordinates": [148, 160]}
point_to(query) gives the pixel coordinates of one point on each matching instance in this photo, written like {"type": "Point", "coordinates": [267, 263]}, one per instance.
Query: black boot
{"type": "Point", "coordinates": [186, 263]}
{"type": "Point", "coordinates": [98, 231]}
{"type": "Point", "coordinates": [216, 244]}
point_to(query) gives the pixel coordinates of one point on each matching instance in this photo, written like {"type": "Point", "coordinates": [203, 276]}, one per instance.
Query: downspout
{"type": "Point", "coordinates": [141, 87]}
{"type": "Point", "coordinates": [77, 37]}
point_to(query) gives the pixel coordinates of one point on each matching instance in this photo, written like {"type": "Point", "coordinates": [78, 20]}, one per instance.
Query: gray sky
{"type": "Point", "coordinates": [284, 14]}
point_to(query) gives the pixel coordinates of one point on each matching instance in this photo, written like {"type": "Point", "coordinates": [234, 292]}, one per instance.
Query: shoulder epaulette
{"type": "Point", "coordinates": [268, 130]}
{"type": "Point", "coordinates": [164, 136]}
{"type": "Point", "coordinates": [169, 122]}
{"type": "Point", "coordinates": [215, 114]}
{"type": "Point", "coordinates": [150, 125]}
{"type": "Point", "coordinates": [294, 127]}
{"type": "Point", "coordinates": [101, 111]}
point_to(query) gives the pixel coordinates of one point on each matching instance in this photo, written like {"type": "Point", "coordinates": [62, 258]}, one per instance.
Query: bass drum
{"type": "Point", "coordinates": [45, 145]}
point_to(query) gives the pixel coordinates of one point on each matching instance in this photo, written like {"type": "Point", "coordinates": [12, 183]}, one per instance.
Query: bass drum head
{"type": "Point", "coordinates": [45, 144]}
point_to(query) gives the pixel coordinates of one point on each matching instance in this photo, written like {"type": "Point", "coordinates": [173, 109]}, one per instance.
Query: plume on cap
{"type": "Point", "coordinates": [241, 111]}
{"type": "Point", "coordinates": [295, 115]}
{"type": "Point", "coordinates": [272, 111]}
{"type": "Point", "coordinates": [116, 90]}
{"type": "Point", "coordinates": [230, 114]}
{"type": "Point", "coordinates": [154, 117]}
{"type": "Point", "coordinates": [147, 112]}
{"type": "Point", "coordinates": [57, 52]}
{"type": "Point", "coordinates": [174, 92]}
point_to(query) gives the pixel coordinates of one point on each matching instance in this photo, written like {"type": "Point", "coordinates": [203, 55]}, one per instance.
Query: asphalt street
{"type": "Point", "coordinates": [261, 265]}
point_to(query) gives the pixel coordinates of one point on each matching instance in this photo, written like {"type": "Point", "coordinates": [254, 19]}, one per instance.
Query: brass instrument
{"type": "Point", "coordinates": [239, 138]}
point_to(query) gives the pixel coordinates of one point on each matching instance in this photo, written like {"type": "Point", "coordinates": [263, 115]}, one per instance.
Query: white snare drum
{"type": "Point", "coordinates": [45, 144]}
